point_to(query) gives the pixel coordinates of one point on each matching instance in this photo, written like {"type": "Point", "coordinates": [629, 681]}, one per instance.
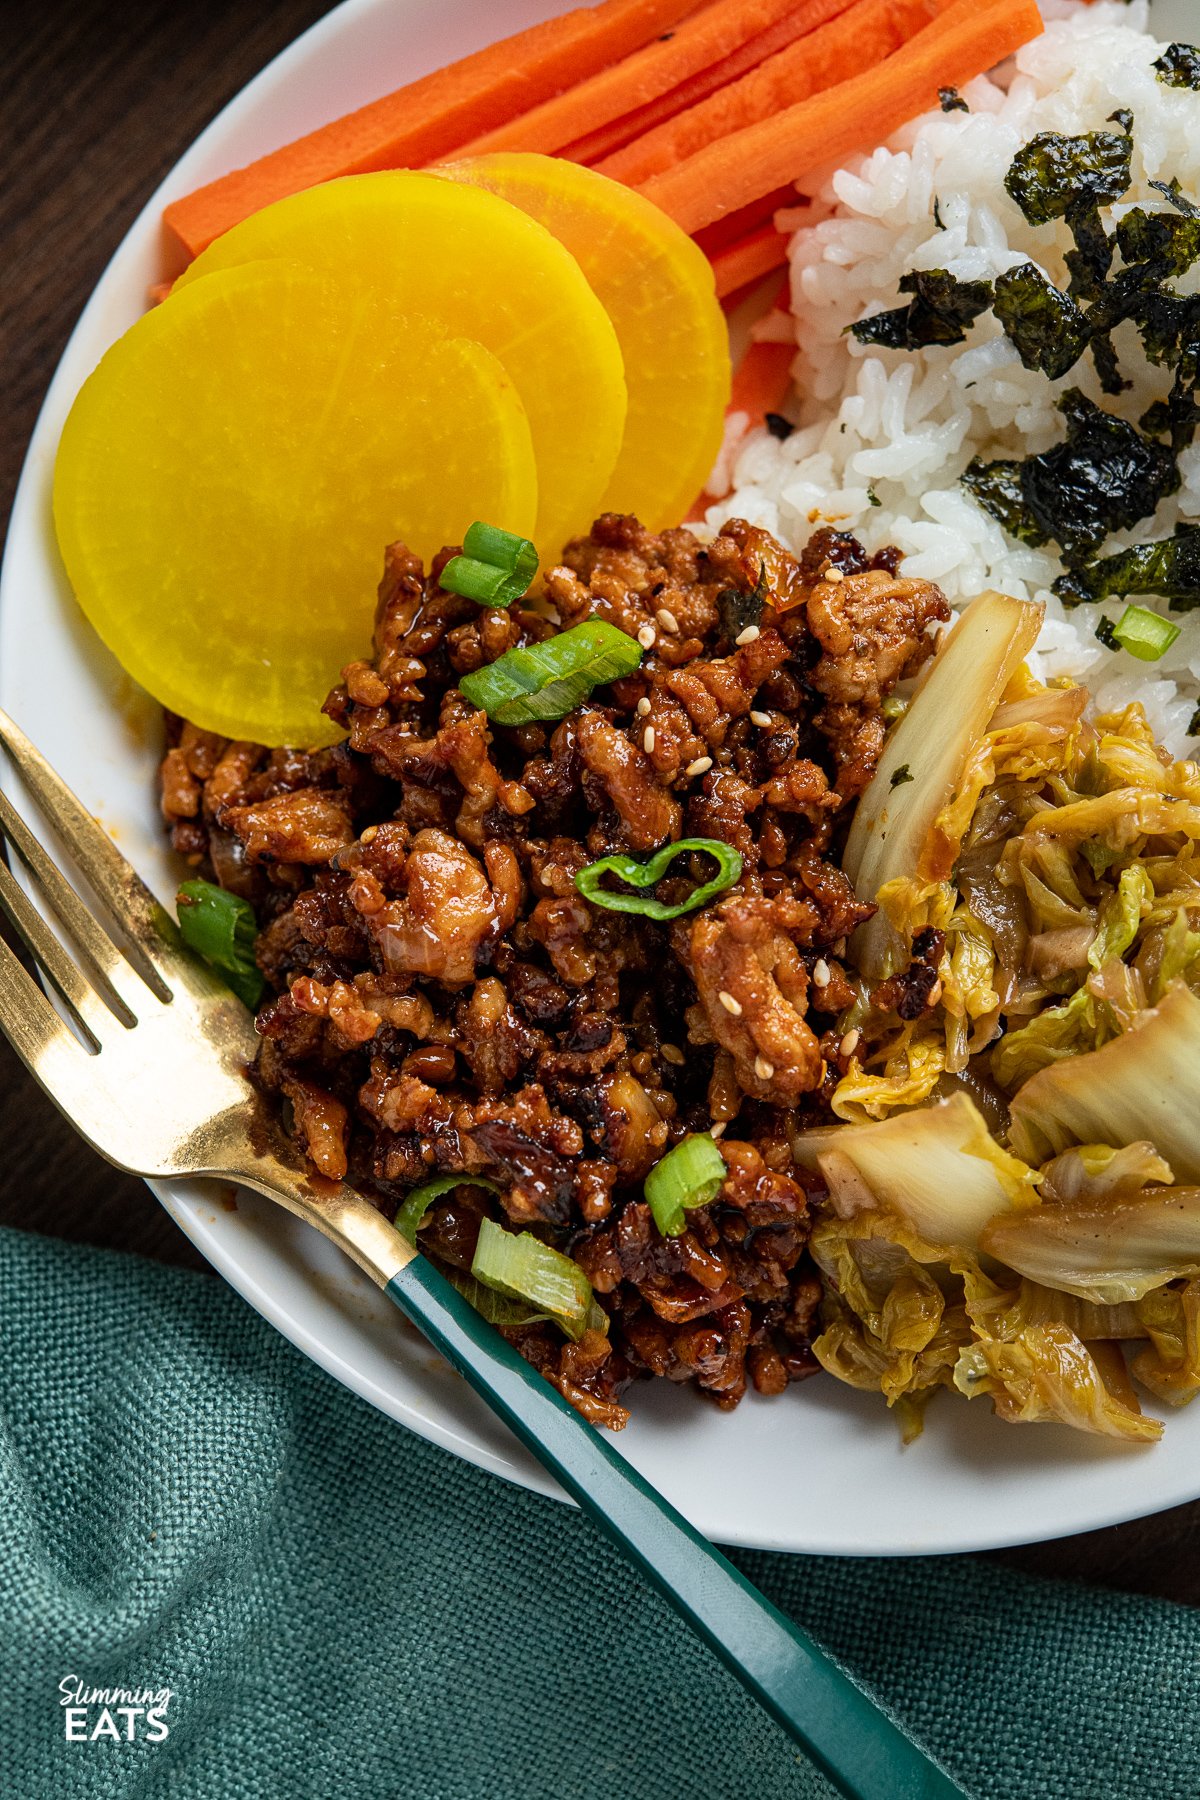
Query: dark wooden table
{"type": "Point", "coordinates": [100, 101]}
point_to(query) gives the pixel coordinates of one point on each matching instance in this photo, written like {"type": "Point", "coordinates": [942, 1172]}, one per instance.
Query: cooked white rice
{"type": "Point", "coordinates": [904, 425]}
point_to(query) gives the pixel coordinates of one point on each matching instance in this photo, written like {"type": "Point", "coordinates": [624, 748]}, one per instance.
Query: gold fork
{"type": "Point", "coordinates": [158, 1085]}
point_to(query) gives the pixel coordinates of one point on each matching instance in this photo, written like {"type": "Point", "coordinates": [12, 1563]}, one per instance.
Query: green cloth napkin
{"type": "Point", "coordinates": [340, 1610]}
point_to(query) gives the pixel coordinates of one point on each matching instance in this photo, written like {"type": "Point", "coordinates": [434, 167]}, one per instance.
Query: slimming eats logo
{"type": "Point", "coordinates": [118, 1715]}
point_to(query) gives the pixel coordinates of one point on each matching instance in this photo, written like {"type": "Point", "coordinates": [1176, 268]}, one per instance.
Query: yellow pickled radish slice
{"type": "Point", "coordinates": [485, 271]}
{"type": "Point", "coordinates": [657, 289]}
{"type": "Point", "coordinates": [229, 475]}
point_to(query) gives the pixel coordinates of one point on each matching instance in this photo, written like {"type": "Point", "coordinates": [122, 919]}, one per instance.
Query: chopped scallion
{"type": "Point", "coordinates": [414, 1206]}
{"type": "Point", "coordinates": [546, 680]}
{"type": "Point", "coordinates": [522, 1267]}
{"type": "Point", "coordinates": [1145, 634]}
{"type": "Point", "coordinates": [646, 874]}
{"type": "Point", "coordinates": [689, 1175]}
{"type": "Point", "coordinates": [495, 567]}
{"type": "Point", "coordinates": [221, 928]}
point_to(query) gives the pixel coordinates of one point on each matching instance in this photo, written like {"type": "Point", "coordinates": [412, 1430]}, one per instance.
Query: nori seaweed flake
{"type": "Point", "coordinates": [738, 609]}
{"type": "Point", "coordinates": [997, 487]}
{"type": "Point", "coordinates": [951, 100]}
{"type": "Point", "coordinates": [1106, 631]}
{"type": "Point", "coordinates": [1106, 476]}
{"type": "Point", "coordinates": [1172, 191]}
{"type": "Point", "coordinates": [1170, 568]}
{"type": "Point", "coordinates": [1046, 327]}
{"type": "Point", "coordinates": [1103, 477]}
{"type": "Point", "coordinates": [941, 309]}
{"type": "Point", "coordinates": [1053, 173]}
{"type": "Point", "coordinates": [1179, 66]}
{"type": "Point", "coordinates": [1169, 241]}
{"type": "Point", "coordinates": [778, 426]}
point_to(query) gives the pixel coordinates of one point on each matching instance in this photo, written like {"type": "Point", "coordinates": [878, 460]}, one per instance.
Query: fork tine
{"type": "Point", "coordinates": [53, 958]}
{"type": "Point", "coordinates": [39, 1036]}
{"type": "Point", "coordinates": [126, 898]}
{"type": "Point", "coordinates": [99, 952]}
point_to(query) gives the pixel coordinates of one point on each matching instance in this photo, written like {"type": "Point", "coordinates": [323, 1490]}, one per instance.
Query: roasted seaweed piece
{"type": "Point", "coordinates": [1048, 330]}
{"type": "Point", "coordinates": [1170, 568]}
{"type": "Point", "coordinates": [1054, 174]}
{"type": "Point", "coordinates": [951, 100]}
{"type": "Point", "coordinates": [939, 312]}
{"type": "Point", "coordinates": [1179, 66]}
{"type": "Point", "coordinates": [1171, 241]}
{"type": "Point", "coordinates": [997, 487]}
{"type": "Point", "coordinates": [1090, 262]}
{"type": "Point", "coordinates": [738, 609]}
{"type": "Point", "coordinates": [1103, 477]}
{"type": "Point", "coordinates": [1175, 194]}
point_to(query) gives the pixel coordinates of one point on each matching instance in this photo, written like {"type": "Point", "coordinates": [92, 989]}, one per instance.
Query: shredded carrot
{"type": "Point", "coordinates": [719, 30]}
{"type": "Point", "coordinates": [802, 19]}
{"type": "Point", "coordinates": [434, 115]}
{"type": "Point", "coordinates": [859, 38]}
{"type": "Point", "coordinates": [968, 37]}
{"type": "Point", "coordinates": [744, 262]}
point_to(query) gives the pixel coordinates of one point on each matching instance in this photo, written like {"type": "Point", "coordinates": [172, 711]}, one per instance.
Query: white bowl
{"type": "Point", "coordinates": [820, 1469]}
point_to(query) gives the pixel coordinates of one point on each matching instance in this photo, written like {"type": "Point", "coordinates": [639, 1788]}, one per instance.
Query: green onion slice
{"type": "Point", "coordinates": [519, 1266]}
{"type": "Point", "coordinates": [221, 928]}
{"type": "Point", "coordinates": [645, 874]}
{"type": "Point", "coordinates": [689, 1175]}
{"type": "Point", "coordinates": [414, 1206]}
{"type": "Point", "coordinates": [545, 681]}
{"type": "Point", "coordinates": [495, 567]}
{"type": "Point", "coordinates": [1145, 634]}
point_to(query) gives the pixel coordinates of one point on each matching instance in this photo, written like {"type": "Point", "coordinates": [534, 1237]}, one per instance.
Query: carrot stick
{"type": "Point", "coordinates": [861, 37]}
{"type": "Point", "coordinates": [723, 233]}
{"type": "Point", "coordinates": [432, 116]}
{"type": "Point", "coordinates": [703, 39]}
{"type": "Point", "coordinates": [744, 262]}
{"type": "Point", "coordinates": [968, 37]}
{"type": "Point", "coordinates": [761, 380]}
{"type": "Point", "coordinates": [803, 19]}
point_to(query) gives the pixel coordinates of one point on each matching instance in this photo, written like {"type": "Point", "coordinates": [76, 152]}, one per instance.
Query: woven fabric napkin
{"type": "Point", "coordinates": [340, 1610]}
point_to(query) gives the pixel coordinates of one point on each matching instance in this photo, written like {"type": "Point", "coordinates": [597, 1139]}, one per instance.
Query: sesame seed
{"type": "Point", "coordinates": [850, 1043]}
{"type": "Point", "coordinates": [839, 949]}
{"type": "Point", "coordinates": [748, 636]}
{"type": "Point", "coordinates": [667, 619]}
{"type": "Point", "coordinates": [369, 835]}
{"type": "Point", "coordinates": [701, 766]}
{"type": "Point", "coordinates": [648, 740]}
{"type": "Point", "coordinates": [715, 1131]}
{"type": "Point", "coordinates": [935, 994]}
{"type": "Point", "coordinates": [821, 972]}
{"type": "Point", "coordinates": [760, 718]}
{"type": "Point", "coordinates": [832, 574]}
{"type": "Point", "coordinates": [643, 707]}
{"type": "Point", "coordinates": [646, 636]}
{"type": "Point", "coordinates": [763, 1069]}
{"type": "Point", "coordinates": [730, 1004]}
{"type": "Point", "coordinates": [673, 1054]}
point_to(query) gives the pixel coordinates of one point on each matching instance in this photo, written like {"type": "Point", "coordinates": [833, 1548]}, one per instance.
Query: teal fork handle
{"type": "Point", "coordinates": [858, 1747]}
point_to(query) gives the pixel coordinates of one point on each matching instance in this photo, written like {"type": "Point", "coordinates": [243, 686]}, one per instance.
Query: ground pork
{"type": "Point", "coordinates": [443, 999]}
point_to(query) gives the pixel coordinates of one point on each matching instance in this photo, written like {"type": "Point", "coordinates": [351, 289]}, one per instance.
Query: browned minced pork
{"type": "Point", "coordinates": [443, 998]}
